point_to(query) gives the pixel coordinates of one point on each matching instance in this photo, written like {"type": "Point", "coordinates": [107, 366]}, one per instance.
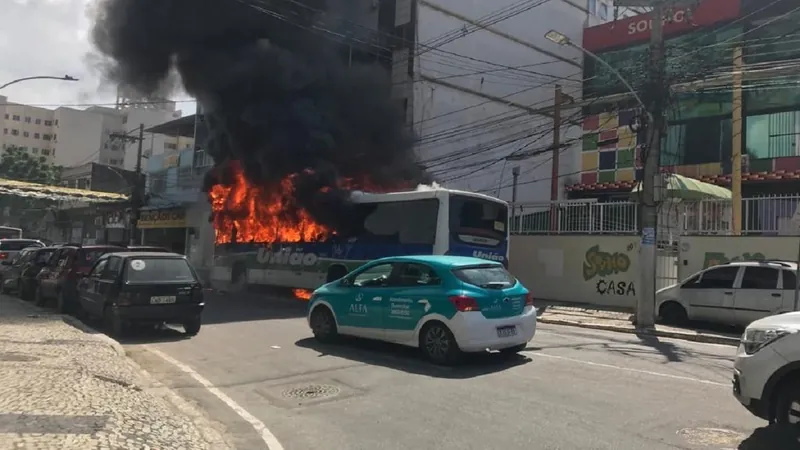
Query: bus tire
{"type": "Point", "coordinates": [238, 277]}
{"type": "Point", "coordinates": [336, 272]}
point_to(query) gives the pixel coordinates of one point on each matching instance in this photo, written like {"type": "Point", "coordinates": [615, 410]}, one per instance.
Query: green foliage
{"type": "Point", "coordinates": [19, 165]}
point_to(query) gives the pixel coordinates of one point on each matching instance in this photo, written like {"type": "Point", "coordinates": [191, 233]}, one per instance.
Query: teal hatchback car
{"type": "Point", "coordinates": [445, 305]}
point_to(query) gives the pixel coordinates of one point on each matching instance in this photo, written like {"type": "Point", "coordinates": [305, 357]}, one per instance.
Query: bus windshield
{"type": "Point", "coordinates": [474, 219]}
{"type": "Point", "coordinates": [10, 233]}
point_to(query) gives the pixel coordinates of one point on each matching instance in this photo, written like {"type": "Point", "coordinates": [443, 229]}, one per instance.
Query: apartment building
{"type": "Point", "coordinates": [72, 137]}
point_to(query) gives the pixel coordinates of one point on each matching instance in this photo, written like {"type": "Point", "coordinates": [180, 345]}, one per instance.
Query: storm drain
{"type": "Point", "coordinates": [712, 437]}
{"type": "Point", "coordinates": [312, 391]}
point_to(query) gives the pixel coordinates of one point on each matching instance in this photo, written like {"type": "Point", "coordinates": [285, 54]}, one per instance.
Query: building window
{"type": "Point", "coordinates": [46, 137]}
{"type": "Point", "coordinates": [593, 7]}
{"type": "Point", "coordinates": [24, 149]}
{"type": "Point", "coordinates": [14, 132]}
{"type": "Point", "coordinates": [56, 122]}
{"type": "Point", "coordinates": [5, 130]}
{"type": "Point", "coordinates": [38, 121]}
{"type": "Point", "coordinates": [35, 151]}
{"type": "Point", "coordinates": [772, 135]}
{"type": "Point", "coordinates": [27, 119]}
{"type": "Point", "coordinates": [15, 117]}
{"type": "Point", "coordinates": [48, 123]}
{"type": "Point", "coordinates": [170, 146]}
{"type": "Point", "coordinates": [36, 135]}
{"type": "Point", "coordinates": [55, 136]}
{"type": "Point", "coordinates": [26, 134]}
{"type": "Point", "coordinates": [603, 13]}
{"type": "Point", "coordinates": [46, 152]}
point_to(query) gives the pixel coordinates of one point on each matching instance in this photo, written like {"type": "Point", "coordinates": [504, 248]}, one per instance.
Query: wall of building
{"type": "Point", "coordinates": [596, 270]}
{"type": "Point", "coordinates": [153, 143]}
{"type": "Point", "coordinates": [28, 127]}
{"type": "Point", "coordinates": [468, 113]}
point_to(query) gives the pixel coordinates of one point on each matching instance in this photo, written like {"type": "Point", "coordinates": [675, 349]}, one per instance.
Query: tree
{"type": "Point", "coordinates": [19, 165]}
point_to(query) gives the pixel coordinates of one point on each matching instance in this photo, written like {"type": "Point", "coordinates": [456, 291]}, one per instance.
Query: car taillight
{"type": "Point", "coordinates": [3, 255]}
{"type": "Point", "coordinates": [464, 303]}
{"type": "Point", "coordinates": [529, 299]}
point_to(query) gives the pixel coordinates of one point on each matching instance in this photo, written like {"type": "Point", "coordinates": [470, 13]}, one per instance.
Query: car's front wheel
{"type": "Point", "coordinates": [323, 324]}
{"type": "Point", "coordinates": [787, 409]}
{"type": "Point", "coordinates": [439, 345]}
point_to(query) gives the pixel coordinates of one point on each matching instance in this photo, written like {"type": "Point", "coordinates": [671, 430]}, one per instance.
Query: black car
{"type": "Point", "coordinates": [21, 275]}
{"type": "Point", "coordinates": [142, 287]}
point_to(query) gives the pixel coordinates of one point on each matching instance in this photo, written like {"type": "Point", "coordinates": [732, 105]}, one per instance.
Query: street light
{"type": "Point", "coordinates": [39, 77]}
{"type": "Point", "coordinates": [561, 39]}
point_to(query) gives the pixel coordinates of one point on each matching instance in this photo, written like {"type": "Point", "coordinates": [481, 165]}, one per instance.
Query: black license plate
{"type": "Point", "coordinates": [508, 331]}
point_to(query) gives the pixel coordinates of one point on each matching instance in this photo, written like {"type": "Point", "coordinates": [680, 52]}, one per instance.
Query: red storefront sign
{"type": "Point", "coordinates": [636, 29]}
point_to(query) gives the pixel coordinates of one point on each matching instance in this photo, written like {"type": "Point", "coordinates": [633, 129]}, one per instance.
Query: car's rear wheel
{"type": "Point", "coordinates": [323, 325]}
{"type": "Point", "coordinates": [787, 409]}
{"type": "Point", "coordinates": [39, 297]}
{"type": "Point", "coordinates": [439, 345]}
{"type": "Point", "coordinates": [673, 313]}
{"type": "Point", "coordinates": [192, 326]}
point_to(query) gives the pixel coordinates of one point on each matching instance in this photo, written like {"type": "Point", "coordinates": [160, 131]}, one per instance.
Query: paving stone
{"type": "Point", "coordinates": [65, 389]}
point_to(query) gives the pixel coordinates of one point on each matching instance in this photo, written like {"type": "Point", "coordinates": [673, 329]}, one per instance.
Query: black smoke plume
{"type": "Point", "coordinates": [277, 93]}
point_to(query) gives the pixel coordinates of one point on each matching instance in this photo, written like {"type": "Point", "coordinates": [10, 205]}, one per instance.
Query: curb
{"type": "Point", "coordinates": [96, 334]}
{"type": "Point", "coordinates": [707, 339]}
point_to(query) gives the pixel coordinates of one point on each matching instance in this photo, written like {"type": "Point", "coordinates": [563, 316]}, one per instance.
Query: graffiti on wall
{"type": "Point", "coordinates": [717, 258]}
{"type": "Point", "coordinates": [608, 268]}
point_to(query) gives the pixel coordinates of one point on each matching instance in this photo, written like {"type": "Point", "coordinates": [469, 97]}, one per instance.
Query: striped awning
{"type": "Point", "coordinates": [57, 193]}
{"type": "Point", "coordinates": [679, 186]}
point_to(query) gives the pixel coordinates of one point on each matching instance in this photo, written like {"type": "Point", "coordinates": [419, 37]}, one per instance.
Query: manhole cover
{"type": "Point", "coordinates": [312, 391]}
{"type": "Point", "coordinates": [17, 357]}
{"type": "Point", "coordinates": [717, 437]}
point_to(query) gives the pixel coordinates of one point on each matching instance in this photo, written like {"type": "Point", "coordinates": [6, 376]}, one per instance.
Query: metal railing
{"type": "Point", "coordinates": [765, 216]}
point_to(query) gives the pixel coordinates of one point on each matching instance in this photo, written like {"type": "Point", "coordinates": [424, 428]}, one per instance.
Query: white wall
{"type": "Point", "coordinates": [80, 136]}
{"type": "Point", "coordinates": [153, 143]}
{"type": "Point", "coordinates": [476, 134]}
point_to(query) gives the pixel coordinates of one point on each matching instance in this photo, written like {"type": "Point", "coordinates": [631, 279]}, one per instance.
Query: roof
{"type": "Point", "coordinates": [36, 190]}
{"type": "Point", "coordinates": [719, 180]}
{"type": "Point", "coordinates": [441, 260]}
{"type": "Point", "coordinates": [183, 127]}
{"type": "Point", "coordinates": [785, 264]}
{"type": "Point", "coordinates": [424, 192]}
{"type": "Point", "coordinates": [147, 255]}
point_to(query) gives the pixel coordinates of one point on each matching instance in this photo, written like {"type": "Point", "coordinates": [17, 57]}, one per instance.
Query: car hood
{"type": "Point", "coordinates": [787, 320]}
{"type": "Point", "coordinates": [667, 291]}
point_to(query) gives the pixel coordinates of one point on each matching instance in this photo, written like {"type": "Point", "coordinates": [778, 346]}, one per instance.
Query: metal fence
{"type": "Point", "coordinates": [765, 216]}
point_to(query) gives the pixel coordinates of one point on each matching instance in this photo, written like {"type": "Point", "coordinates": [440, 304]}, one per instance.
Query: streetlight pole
{"type": "Point", "coordinates": [39, 77]}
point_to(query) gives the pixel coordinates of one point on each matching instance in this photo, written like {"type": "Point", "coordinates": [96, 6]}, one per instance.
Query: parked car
{"type": "Point", "coordinates": [445, 305]}
{"type": "Point", "coordinates": [9, 267]}
{"type": "Point", "coordinates": [21, 276]}
{"type": "Point", "coordinates": [766, 375]}
{"type": "Point", "coordinates": [736, 293]}
{"type": "Point", "coordinates": [148, 248]}
{"type": "Point", "coordinates": [139, 287]}
{"type": "Point", "coordinates": [10, 247]}
{"type": "Point", "coordinates": [59, 278]}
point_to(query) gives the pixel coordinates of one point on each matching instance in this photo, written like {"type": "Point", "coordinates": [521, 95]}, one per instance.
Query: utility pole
{"type": "Point", "coordinates": [137, 193]}
{"type": "Point", "coordinates": [645, 308]}
{"type": "Point", "coordinates": [736, 154]}
{"type": "Point", "coordinates": [515, 175]}
{"type": "Point", "coordinates": [555, 159]}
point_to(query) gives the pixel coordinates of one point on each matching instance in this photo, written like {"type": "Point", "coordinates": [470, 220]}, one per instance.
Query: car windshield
{"type": "Point", "coordinates": [158, 270]}
{"type": "Point", "coordinates": [487, 276]}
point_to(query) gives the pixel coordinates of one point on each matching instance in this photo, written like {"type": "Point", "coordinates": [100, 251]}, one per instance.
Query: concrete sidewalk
{"type": "Point", "coordinates": [591, 317]}
{"type": "Point", "coordinates": [64, 388]}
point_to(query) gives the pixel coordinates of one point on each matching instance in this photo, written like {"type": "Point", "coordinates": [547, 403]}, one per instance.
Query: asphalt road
{"type": "Point", "coordinates": [571, 389]}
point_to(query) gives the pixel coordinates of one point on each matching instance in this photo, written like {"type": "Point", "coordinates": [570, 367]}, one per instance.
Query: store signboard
{"type": "Point", "coordinates": [163, 218]}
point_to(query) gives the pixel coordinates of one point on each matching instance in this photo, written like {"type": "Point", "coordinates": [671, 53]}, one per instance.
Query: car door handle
{"type": "Point", "coordinates": [777, 295]}
{"type": "Point", "coordinates": [728, 293]}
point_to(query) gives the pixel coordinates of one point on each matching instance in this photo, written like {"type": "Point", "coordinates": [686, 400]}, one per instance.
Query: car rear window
{"type": "Point", "coordinates": [42, 256]}
{"type": "Point", "coordinates": [88, 256]}
{"type": "Point", "coordinates": [13, 246]}
{"type": "Point", "coordinates": [485, 275]}
{"type": "Point", "coordinates": [158, 270]}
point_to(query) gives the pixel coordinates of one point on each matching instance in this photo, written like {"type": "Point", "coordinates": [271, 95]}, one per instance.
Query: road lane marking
{"type": "Point", "coordinates": [628, 369]}
{"type": "Point", "coordinates": [266, 435]}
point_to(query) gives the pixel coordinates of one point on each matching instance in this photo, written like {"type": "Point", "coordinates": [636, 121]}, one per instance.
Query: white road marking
{"type": "Point", "coordinates": [266, 435]}
{"type": "Point", "coordinates": [628, 369]}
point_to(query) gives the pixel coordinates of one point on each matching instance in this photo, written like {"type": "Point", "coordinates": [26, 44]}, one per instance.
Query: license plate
{"type": "Point", "coordinates": [162, 299]}
{"type": "Point", "coordinates": [508, 331]}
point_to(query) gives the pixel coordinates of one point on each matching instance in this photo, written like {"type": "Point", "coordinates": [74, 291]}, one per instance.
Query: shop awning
{"type": "Point", "coordinates": [57, 193]}
{"type": "Point", "coordinates": [685, 188]}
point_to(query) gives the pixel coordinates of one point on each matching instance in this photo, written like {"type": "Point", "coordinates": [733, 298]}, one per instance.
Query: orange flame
{"type": "Point", "coordinates": [302, 294]}
{"type": "Point", "coordinates": [261, 213]}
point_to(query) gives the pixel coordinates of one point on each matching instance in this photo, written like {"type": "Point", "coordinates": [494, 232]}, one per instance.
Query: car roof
{"type": "Point", "coordinates": [147, 255]}
{"type": "Point", "coordinates": [771, 263]}
{"type": "Point", "coordinates": [19, 240]}
{"type": "Point", "coordinates": [441, 260]}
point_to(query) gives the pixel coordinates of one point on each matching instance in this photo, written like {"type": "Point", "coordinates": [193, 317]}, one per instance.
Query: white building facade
{"type": "Point", "coordinates": [484, 92]}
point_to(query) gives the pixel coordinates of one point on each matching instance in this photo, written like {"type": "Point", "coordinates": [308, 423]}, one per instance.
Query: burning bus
{"type": "Point", "coordinates": [261, 242]}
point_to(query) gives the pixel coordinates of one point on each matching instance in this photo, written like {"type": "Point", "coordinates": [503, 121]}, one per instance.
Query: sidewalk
{"type": "Point", "coordinates": [63, 388]}
{"type": "Point", "coordinates": [590, 317]}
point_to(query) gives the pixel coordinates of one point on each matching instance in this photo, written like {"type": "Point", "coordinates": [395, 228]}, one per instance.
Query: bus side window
{"type": "Point", "coordinates": [406, 222]}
